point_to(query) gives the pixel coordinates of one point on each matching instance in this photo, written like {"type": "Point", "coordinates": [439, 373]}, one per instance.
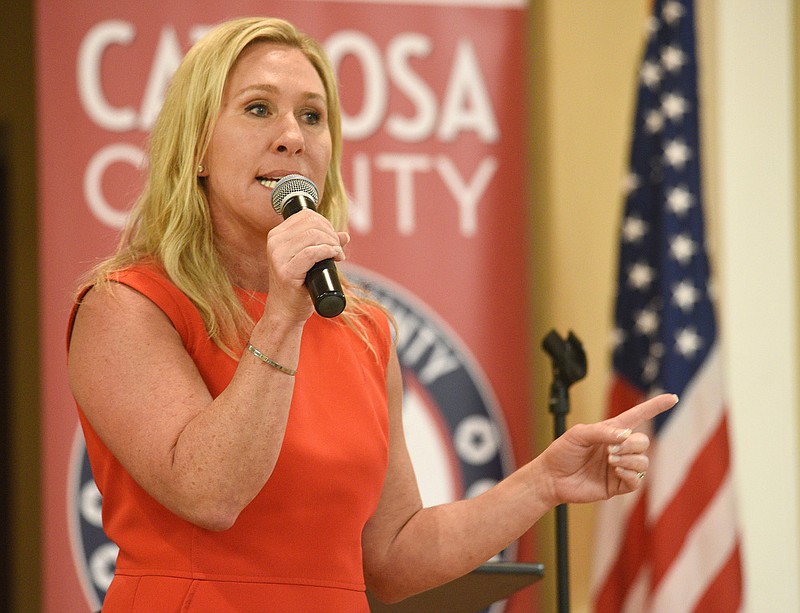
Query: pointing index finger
{"type": "Point", "coordinates": [646, 410]}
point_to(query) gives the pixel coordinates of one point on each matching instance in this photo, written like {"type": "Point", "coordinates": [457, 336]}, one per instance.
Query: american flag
{"type": "Point", "coordinates": [673, 546]}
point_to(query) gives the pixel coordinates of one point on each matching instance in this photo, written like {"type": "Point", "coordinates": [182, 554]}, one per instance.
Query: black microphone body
{"type": "Point", "coordinates": [292, 194]}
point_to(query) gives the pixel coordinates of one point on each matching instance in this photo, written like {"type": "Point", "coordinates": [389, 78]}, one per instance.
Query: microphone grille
{"type": "Point", "coordinates": [292, 184]}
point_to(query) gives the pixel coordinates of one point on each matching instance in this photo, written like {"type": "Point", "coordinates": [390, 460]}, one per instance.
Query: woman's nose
{"type": "Point", "coordinates": [289, 138]}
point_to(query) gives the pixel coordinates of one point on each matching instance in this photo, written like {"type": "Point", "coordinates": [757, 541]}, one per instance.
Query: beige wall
{"type": "Point", "coordinates": [752, 57]}
{"type": "Point", "coordinates": [584, 58]}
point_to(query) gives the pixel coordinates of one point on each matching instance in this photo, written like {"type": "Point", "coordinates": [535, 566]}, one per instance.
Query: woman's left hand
{"type": "Point", "coordinates": [592, 462]}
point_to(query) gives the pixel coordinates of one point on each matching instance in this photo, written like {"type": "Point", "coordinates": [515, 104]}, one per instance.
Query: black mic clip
{"type": "Point", "coordinates": [569, 366]}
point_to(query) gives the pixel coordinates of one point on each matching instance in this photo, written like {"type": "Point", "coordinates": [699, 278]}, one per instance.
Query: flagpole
{"type": "Point", "coordinates": [569, 365]}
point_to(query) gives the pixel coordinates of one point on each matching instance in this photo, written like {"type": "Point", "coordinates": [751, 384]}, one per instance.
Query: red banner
{"type": "Point", "coordinates": [433, 107]}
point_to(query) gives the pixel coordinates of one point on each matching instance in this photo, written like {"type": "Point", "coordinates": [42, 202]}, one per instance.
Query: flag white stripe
{"type": "Point", "coordinates": [610, 524]}
{"type": "Point", "coordinates": [685, 434]}
{"type": "Point", "coordinates": [707, 548]}
{"type": "Point", "coordinates": [636, 598]}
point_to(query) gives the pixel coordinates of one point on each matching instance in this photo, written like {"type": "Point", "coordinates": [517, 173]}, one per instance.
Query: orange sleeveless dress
{"type": "Point", "coordinates": [297, 546]}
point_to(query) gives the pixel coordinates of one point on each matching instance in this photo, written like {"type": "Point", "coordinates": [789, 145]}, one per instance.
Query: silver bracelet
{"type": "Point", "coordinates": [267, 360]}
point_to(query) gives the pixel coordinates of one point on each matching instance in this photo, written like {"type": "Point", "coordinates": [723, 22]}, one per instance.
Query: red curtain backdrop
{"type": "Point", "coordinates": [434, 103]}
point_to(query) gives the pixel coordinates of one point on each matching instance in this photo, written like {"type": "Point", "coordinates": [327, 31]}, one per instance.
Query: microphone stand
{"type": "Point", "coordinates": [569, 365]}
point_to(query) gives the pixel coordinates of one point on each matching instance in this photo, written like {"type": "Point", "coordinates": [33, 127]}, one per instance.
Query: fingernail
{"type": "Point", "coordinates": [614, 448]}
{"type": "Point", "coordinates": [623, 434]}
{"type": "Point", "coordinates": [613, 459]}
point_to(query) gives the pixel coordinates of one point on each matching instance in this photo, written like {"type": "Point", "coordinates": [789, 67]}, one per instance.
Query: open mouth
{"type": "Point", "coordinates": [267, 182]}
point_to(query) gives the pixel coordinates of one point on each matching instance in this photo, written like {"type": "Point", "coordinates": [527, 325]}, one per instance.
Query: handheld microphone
{"type": "Point", "coordinates": [292, 194]}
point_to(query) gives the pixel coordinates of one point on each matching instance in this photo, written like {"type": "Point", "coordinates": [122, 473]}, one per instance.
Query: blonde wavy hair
{"type": "Point", "coordinates": [170, 223]}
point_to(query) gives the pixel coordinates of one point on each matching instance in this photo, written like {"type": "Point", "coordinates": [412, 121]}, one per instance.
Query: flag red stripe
{"type": "Point", "coordinates": [629, 562]}
{"type": "Point", "coordinates": [700, 485]}
{"type": "Point", "coordinates": [724, 594]}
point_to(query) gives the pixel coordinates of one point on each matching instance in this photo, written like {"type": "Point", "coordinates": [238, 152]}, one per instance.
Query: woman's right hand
{"type": "Point", "coordinates": [293, 247]}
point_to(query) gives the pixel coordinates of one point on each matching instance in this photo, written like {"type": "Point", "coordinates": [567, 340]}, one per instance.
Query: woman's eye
{"type": "Point", "coordinates": [257, 108]}
{"type": "Point", "coordinates": [312, 117]}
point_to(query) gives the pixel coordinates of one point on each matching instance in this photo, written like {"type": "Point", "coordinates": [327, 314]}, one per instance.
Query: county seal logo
{"type": "Point", "coordinates": [454, 429]}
